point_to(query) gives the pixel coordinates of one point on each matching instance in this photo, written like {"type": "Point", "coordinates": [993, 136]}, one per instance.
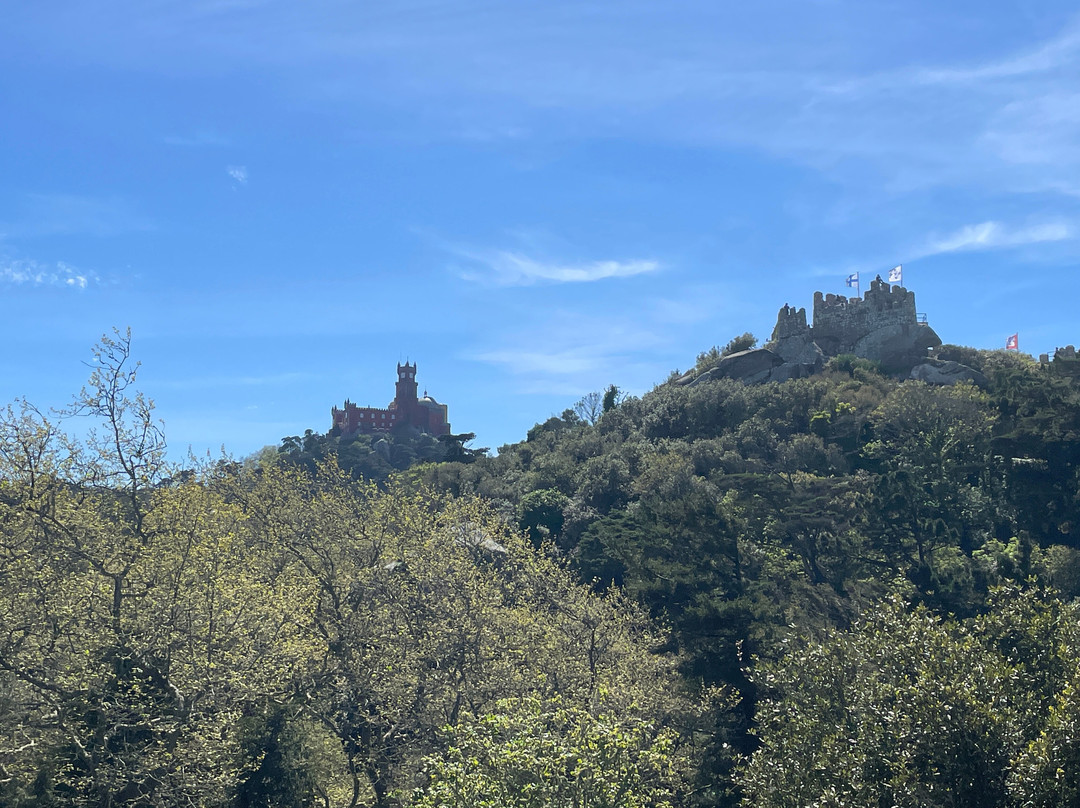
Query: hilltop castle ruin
{"type": "Point", "coordinates": [882, 326]}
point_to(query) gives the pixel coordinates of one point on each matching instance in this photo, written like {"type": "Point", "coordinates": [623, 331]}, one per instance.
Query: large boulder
{"type": "Point", "coordinates": [798, 350]}
{"type": "Point", "coordinates": [751, 366]}
{"type": "Point", "coordinates": [793, 370]}
{"type": "Point", "coordinates": [944, 371]}
{"type": "Point", "coordinates": [707, 376]}
{"type": "Point", "coordinates": [897, 346]}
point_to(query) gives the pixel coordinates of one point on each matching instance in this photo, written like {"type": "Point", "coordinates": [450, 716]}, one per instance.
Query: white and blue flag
{"type": "Point", "coordinates": [896, 274]}
{"type": "Point", "coordinates": [853, 280]}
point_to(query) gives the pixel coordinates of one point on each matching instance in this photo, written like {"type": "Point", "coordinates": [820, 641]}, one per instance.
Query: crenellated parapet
{"type": "Point", "coordinates": [790, 322]}
{"type": "Point", "coordinates": [882, 325]}
{"type": "Point", "coordinates": [842, 324]}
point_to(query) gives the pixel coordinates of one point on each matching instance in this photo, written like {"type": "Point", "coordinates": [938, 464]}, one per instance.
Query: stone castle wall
{"type": "Point", "coordinates": [840, 323]}
{"type": "Point", "coordinates": [882, 325]}
{"type": "Point", "coordinates": [790, 322]}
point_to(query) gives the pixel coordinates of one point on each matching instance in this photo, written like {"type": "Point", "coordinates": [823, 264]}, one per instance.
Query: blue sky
{"type": "Point", "coordinates": [532, 200]}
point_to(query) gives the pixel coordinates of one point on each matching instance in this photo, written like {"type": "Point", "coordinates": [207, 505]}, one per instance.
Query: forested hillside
{"type": "Point", "coordinates": [240, 635]}
{"type": "Point", "coordinates": [839, 590]}
{"type": "Point", "coordinates": [755, 520]}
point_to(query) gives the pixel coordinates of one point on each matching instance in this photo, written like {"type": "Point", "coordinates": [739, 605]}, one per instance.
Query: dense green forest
{"type": "Point", "coordinates": [845, 590]}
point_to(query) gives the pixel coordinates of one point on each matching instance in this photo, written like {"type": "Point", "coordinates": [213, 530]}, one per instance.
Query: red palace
{"type": "Point", "coordinates": [425, 414]}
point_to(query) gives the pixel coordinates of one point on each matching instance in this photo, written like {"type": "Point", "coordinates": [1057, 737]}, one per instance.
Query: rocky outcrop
{"type": "Point", "coordinates": [799, 350]}
{"type": "Point", "coordinates": [791, 370]}
{"type": "Point", "coordinates": [897, 346]}
{"type": "Point", "coordinates": [943, 371]}
{"type": "Point", "coordinates": [755, 365]}
{"type": "Point", "coordinates": [882, 326]}
{"type": "Point", "coordinates": [1066, 362]}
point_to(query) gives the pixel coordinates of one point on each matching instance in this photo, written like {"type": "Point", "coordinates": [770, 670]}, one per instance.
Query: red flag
{"type": "Point", "coordinates": [1013, 343]}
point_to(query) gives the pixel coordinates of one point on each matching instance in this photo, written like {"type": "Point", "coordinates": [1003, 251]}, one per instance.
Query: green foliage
{"type": "Point", "coordinates": [131, 639]}
{"type": "Point", "coordinates": [380, 455]}
{"type": "Point", "coordinates": [741, 514]}
{"type": "Point", "coordinates": [743, 342]}
{"type": "Point", "coordinates": [534, 753]}
{"type": "Point", "coordinates": [370, 619]}
{"type": "Point", "coordinates": [909, 709]}
{"type": "Point", "coordinates": [274, 768]}
{"type": "Point", "coordinates": [275, 634]}
{"type": "Point", "coordinates": [853, 366]}
{"type": "Point", "coordinates": [541, 515]}
{"type": "Point", "coordinates": [613, 396]}
{"type": "Point", "coordinates": [457, 451]}
{"type": "Point", "coordinates": [710, 358]}
{"type": "Point", "coordinates": [972, 357]}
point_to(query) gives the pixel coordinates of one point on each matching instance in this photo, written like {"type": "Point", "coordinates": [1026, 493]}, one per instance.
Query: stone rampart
{"type": "Point", "coordinates": [841, 323]}
{"type": "Point", "coordinates": [882, 325]}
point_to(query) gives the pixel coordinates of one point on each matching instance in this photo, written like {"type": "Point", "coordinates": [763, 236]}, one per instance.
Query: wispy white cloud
{"type": "Point", "coordinates": [782, 83]}
{"type": "Point", "coordinates": [561, 362]}
{"type": "Point", "coordinates": [508, 268]}
{"type": "Point", "coordinates": [1049, 55]}
{"type": "Point", "coordinates": [493, 133]}
{"type": "Point", "coordinates": [690, 304]}
{"type": "Point", "coordinates": [1038, 131]}
{"type": "Point", "coordinates": [21, 272]}
{"type": "Point", "coordinates": [995, 235]}
{"type": "Point", "coordinates": [572, 354]}
{"type": "Point", "coordinates": [238, 173]}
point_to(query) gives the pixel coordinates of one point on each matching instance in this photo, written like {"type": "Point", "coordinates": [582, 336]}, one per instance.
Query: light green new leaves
{"type": "Point", "coordinates": [533, 753]}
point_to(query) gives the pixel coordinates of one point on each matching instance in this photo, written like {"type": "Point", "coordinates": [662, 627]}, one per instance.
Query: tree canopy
{"type": "Point", "coordinates": [284, 635]}
{"type": "Point", "coordinates": [847, 589]}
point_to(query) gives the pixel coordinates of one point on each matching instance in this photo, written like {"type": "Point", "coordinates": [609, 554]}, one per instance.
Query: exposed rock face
{"type": "Point", "coordinates": [791, 370]}
{"type": "Point", "coordinates": [799, 350]}
{"type": "Point", "coordinates": [751, 366]}
{"type": "Point", "coordinates": [942, 371]}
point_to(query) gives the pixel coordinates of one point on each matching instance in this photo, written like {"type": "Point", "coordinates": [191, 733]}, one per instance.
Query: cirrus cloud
{"type": "Point", "coordinates": [508, 268]}
{"type": "Point", "coordinates": [995, 235]}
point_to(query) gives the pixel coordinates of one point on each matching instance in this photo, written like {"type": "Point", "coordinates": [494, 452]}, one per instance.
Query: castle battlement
{"type": "Point", "coordinates": [880, 301]}
{"type": "Point", "coordinates": [880, 325]}
{"type": "Point", "coordinates": [790, 322]}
